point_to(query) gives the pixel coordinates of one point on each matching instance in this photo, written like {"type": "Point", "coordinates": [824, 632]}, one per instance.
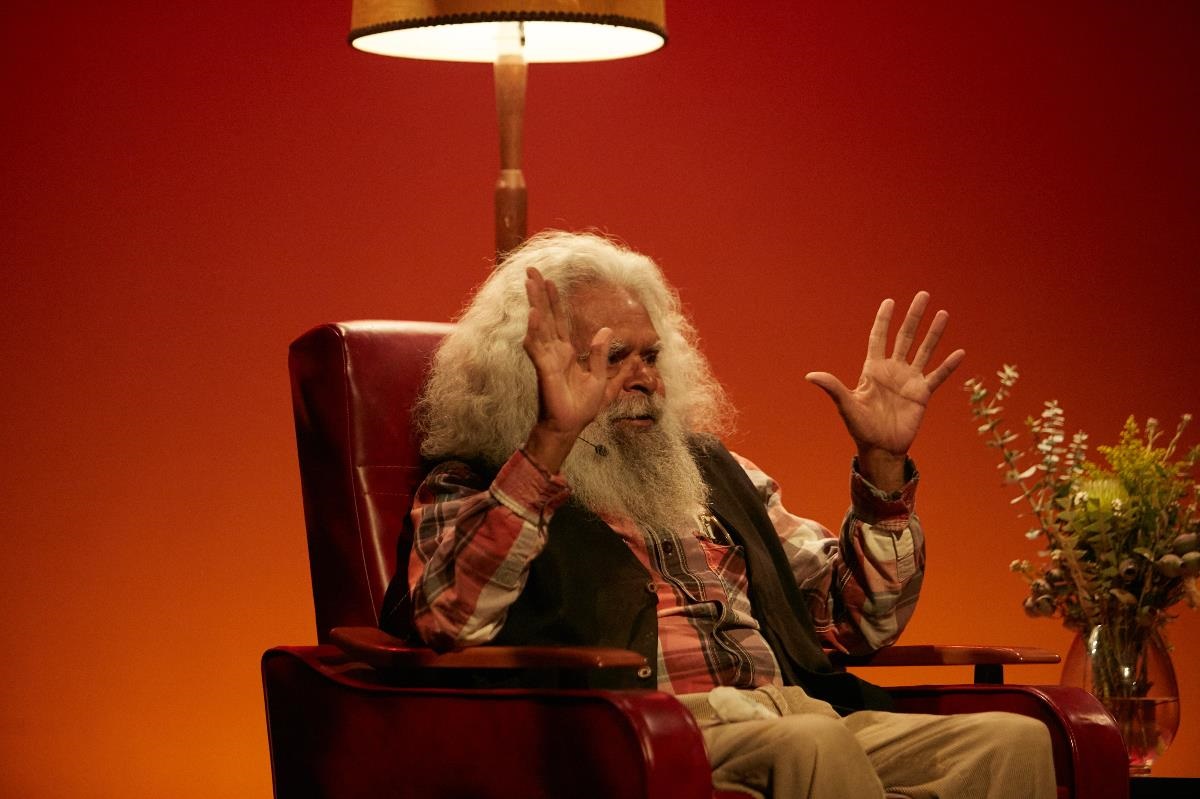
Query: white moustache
{"type": "Point", "coordinates": [635, 407]}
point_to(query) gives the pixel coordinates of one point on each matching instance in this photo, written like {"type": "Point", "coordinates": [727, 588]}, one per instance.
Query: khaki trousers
{"type": "Point", "coordinates": [782, 744]}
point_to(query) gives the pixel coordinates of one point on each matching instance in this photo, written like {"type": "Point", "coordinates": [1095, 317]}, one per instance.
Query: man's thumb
{"type": "Point", "coordinates": [829, 384]}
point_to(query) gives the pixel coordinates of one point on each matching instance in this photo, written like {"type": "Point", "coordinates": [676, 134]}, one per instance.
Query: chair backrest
{"type": "Point", "coordinates": [353, 388]}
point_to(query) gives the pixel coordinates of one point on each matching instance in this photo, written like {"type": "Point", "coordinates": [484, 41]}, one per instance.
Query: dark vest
{"type": "Point", "coordinates": [587, 588]}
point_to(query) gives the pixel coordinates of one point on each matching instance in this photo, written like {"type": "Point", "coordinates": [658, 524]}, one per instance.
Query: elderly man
{"type": "Point", "coordinates": [581, 496]}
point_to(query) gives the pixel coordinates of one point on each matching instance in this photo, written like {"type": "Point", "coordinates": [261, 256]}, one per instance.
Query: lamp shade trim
{"type": "Point", "coordinates": [510, 16]}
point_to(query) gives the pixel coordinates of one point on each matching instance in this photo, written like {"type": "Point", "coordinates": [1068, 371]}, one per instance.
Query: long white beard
{"type": "Point", "coordinates": [647, 474]}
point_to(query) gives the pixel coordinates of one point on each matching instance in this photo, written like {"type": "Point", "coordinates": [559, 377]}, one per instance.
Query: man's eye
{"type": "Point", "coordinates": [650, 358]}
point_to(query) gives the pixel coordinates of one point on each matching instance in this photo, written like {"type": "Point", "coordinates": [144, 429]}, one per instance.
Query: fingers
{"type": "Point", "coordinates": [939, 375]}
{"type": "Point", "coordinates": [547, 321]}
{"type": "Point", "coordinates": [877, 343]}
{"type": "Point", "coordinates": [908, 330]}
{"type": "Point", "coordinates": [907, 333]}
{"type": "Point", "coordinates": [556, 310]}
{"type": "Point", "coordinates": [539, 305]}
{"type": "Point", "coordinates": [830, 385]}
{"type": "Point", "coordinates": [932, 337]}
{"type": "Point", "coordinates": [598, 351]}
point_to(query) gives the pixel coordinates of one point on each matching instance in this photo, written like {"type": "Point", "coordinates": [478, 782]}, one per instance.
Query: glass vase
{"type": "Point", "coordinates": [1128, 668]}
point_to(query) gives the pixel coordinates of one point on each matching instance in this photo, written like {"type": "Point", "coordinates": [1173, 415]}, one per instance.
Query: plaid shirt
{"type": "Point", "coordinates": [472, 549]}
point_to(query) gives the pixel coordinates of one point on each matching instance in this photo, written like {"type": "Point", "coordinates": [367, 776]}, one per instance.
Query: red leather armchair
{"type": "Point", "coordinates": [362, 715]}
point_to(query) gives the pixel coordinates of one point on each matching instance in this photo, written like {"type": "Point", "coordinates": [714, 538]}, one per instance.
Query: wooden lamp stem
{"type": "Point", "coordinates": [510, 71]}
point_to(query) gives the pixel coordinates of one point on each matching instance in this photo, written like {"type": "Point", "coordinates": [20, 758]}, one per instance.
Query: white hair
{"type": "Point", "coordinates": [480, 401]}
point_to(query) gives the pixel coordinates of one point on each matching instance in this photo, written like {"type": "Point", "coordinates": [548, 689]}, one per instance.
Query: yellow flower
{"type": "Point", "coordinates": [1107, 491]}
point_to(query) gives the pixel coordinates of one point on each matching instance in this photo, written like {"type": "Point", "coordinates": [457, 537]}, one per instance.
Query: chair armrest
{"type": "Point", "coordinates": [376, 648]}
{"type": "Point", "coordinates": [336, 728]}
{"type": "Point", "coordinates": [564, 666]}
{"type": "Point", "coordinates": [989, 661]}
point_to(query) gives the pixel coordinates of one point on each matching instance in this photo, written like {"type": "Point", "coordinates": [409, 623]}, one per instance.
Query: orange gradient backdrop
{"type": "Point", "coordinates": [185, 190]}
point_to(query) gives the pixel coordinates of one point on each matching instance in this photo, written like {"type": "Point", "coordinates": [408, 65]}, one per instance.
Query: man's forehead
{"type": "Point", "coordinates": [591, 295]}
{"type": "Point", "coordinates": [616, 307]}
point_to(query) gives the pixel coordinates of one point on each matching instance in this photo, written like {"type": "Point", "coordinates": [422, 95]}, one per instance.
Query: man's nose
{"type": "Point", "coordinates": [643, 377]}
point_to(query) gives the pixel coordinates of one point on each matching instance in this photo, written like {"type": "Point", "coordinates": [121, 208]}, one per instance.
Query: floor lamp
{"type": "Point", "coordinates": [509, 34]}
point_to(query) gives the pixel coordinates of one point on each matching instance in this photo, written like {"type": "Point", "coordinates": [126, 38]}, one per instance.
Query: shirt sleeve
{"type": "Point", "coordinates": [861, 585]}
{"type": "Point", "coordinates": [472, 546]}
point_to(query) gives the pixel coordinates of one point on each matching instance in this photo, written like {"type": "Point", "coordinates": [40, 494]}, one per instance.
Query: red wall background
{"type": "Point", "coordinates": [185, 191]}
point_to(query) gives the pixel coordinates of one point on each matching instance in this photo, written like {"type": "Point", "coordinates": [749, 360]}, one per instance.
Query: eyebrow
{"type": "Point", "coordinates": [621, 348]}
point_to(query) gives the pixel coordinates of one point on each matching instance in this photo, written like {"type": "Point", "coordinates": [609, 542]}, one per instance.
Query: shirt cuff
{"type": "Point", "coordinates": [527, 489]}
{"type": "Point", "coordinates": [880, 509]}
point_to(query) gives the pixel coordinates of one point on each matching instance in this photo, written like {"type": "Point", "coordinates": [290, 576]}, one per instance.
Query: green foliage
{"type": "Point", "coordinates": [1120, 536]}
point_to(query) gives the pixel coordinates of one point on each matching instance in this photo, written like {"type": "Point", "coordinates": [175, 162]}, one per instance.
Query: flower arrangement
{"type": "Point", "coordinates": [1121, 538]}
{"type": "Point", "coordinates": [1120, 550]}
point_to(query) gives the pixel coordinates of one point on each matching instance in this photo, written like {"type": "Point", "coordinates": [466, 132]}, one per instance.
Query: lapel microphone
{"type": "Point", "coordinates": [601, 450]}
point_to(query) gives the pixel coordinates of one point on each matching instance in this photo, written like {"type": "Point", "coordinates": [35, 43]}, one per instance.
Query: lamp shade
{"type": "Point", "coordinates": [476, 30]}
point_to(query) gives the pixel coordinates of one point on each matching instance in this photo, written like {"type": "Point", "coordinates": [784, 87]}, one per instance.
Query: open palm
{"type": "Point", "coordinates": [884, 410]}
{"type": "Point", "coordinates": [571, 391]}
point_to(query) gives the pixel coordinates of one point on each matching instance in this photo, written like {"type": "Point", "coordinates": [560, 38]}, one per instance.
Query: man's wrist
{"type": "Point", "coordinates": [548, 448]}
{"type": "Point", "coordinates": [525, 487]}
{"type": "Point", "coordinates": [883, 509]}
{"type": "Point", "coordinates": [884, 470]}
